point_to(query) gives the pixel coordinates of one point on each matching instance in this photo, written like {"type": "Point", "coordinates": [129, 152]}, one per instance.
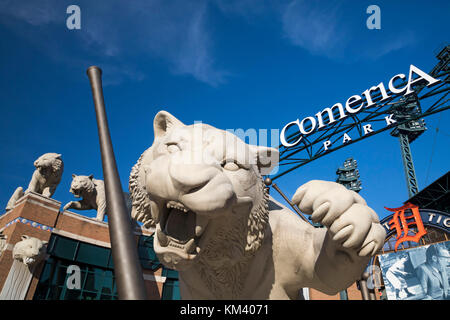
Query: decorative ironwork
{"type": "Point", "coordinates": [312, 147]}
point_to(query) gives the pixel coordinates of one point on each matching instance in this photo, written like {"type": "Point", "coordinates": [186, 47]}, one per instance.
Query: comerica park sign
{"type": "Point", "coordinates": [356, 104]}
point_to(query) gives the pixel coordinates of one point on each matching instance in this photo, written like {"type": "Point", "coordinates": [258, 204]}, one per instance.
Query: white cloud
{"type": "Point", "coordinates": [117, 32]}
{"type": "Point", "coordinates": [33, 13]}
{"type": "Point", "coordinates": [244, 8]}
{"type": "Point", "coordinates": [178, 32]}
{"type": "Point", "coordinates": [194, 56]}
{"type": "Point", "coordinates": [335, 29]}
{"type": "Point", "coordinates": [314, 26]}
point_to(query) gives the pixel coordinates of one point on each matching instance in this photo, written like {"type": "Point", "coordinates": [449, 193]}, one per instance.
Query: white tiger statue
{"type": "Point", "coordinates": [202, 189]}
{"type": "Point", "coordinates": [3, 242]}
{"type": "Point", "coordinates": [93, 193]}
{"type": "Point", "coordinates": [29, 250]}
{"type": "Point", "coordinates": [45, 179]}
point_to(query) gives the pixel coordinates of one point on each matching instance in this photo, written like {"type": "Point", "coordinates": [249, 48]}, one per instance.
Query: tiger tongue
{"type": "Point", "coordinates": [180, 225]}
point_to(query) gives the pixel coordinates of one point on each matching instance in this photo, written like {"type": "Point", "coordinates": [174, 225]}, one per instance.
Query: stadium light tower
{"type": "Point", "coordinates": [409, 108]}
{"type": "Point", "coordinates": [406, 108]}
{"type": "Point", "coordinates": [348, 175]}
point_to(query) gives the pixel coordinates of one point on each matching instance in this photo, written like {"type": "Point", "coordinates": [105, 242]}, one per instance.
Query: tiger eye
{"type": "Point", "coordinates": [231, 166]}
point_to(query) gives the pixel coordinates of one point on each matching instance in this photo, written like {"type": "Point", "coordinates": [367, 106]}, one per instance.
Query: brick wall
{"type": "Point", "coordinates": [45, 212]}
{"type": "Point", "coordinates": [73, 225]}
{"type": "Point", "coordinates": [317, 295]}
{"type": "Point", "coordinates": [39, 217]}
{"type": "Point", "coordinates": [353, 293]}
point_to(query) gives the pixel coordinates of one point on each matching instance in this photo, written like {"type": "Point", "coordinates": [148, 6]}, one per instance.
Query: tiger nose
{"type": "Point", "coordinates": [186, 176]}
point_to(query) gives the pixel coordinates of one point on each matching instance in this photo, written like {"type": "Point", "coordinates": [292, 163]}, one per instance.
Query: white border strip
{"type": "Point", "coordinates": [29, 195]}
{"type": "Point", "coordinates": [81, 238]}
{"type": "Point", "coordinates": [155, 278]}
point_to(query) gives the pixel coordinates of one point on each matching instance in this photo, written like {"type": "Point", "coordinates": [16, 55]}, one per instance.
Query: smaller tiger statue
{"type": "Point", "coordinates": [45, 179]}
{"type": "Point", "coordinates": [93, 193]}
{"type": "Point", "coordinates": [29, 250]}
{"type": "Point", "coordinates": [3, 240]}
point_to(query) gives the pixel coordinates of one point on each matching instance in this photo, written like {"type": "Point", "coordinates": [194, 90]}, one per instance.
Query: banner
{"type": "Point", "coordinates": [417, 274]}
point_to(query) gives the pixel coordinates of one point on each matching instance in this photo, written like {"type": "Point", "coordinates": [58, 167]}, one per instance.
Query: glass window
{"type": "Point", "coordinates": [45, 275]}
{"type": "Point", "coordinates": [72, 294]}
{"type": "Point", "coordinates": [107, 297]}
{"type": "Point", "coordinates": [147, 254]}
{"type": "Point", "coordinates": [96, 279]}
{"type": "Point", "coordinates": [110, 262]}
{"type": "Point", "coordinates": [171, 290]}
{"type": "Point", "coordinates": [64, 248]}
{"type": "Point", "coordinates": [87, 295]}
{"type": "Point", "coordinates": [44, 281]}
{"type": "Point", "coordinates": [88, 253]}
{"type": "Point", "coordinates": [95, 283]}
{"type": "Point", "coordinates": [59, 274]}
{"type": "Point", "coordinates": [54, 293]}
{"type": "Point", "coordinates": [108, 286]}
{"type": "Point", "coordinates": [169, 273]}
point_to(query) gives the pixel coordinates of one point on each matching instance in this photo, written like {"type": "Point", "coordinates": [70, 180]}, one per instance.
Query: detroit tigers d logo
{"type": "Point", "coordinates": [401, 223]}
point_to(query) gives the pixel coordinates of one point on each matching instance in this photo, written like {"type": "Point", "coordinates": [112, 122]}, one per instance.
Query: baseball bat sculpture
{"type": "Point", "coordinates": [127, 269]}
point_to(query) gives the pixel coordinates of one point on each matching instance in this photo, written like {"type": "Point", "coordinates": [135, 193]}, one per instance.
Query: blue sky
{"type": "Point", "coordinates": [232, 64]}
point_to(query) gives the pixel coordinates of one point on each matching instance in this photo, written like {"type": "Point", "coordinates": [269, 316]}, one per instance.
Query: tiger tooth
{"type": "Point", "coordinates": [198, 231]}
{"type": "Point", "coordinates": [190, 246]}
{"type": "Point", "coordinates": [162, 238]}
{"type": "Point", "coordinates": [200, 222]}
{"type": "Point", "coordinates": [155, 212]}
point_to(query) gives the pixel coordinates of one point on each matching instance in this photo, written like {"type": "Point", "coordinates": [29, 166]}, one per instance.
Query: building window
{"type": "Point", "coordinates": [171, 289]}
{"type": "Point", "coordinates": [147, 254]}
{"type": "Point", "coordinates": [149, 260]}
{"type": "Point", "coordinates": [96, 271]}
{"type": "Point", "coordinates": [95, 283]}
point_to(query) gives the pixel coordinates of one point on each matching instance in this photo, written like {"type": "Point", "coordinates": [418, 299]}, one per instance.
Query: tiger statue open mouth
{"type": "Point", "coordinates": [201, 188]}
{"type": "Point", "coordinates": [185, 187]}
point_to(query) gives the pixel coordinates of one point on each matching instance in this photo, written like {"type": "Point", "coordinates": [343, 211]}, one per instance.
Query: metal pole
{"type": "Point", "coordinates": [268, 182]}
{"type": "Point", "coordinates": [363, 286]}
{"type": "Point", "coordinates": [372, 294]}
{"type": "Point", "coordinates": [127, 268]}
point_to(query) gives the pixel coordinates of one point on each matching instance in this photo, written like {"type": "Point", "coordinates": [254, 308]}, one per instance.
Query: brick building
{"type": "Point", "coordinates": [73, 240]}
{"type": "Point", "coordinates": [351, 293]}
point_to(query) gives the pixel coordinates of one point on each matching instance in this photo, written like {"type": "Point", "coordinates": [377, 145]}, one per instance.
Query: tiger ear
{"type": "Point", "coordinates": [164, 122]}
{"type": "Point", "coordinates": [73, 175]}
{"type": "Point", "coordinates": [91, 176]}
{"type": "Point", "coordinates": [24, 237]}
